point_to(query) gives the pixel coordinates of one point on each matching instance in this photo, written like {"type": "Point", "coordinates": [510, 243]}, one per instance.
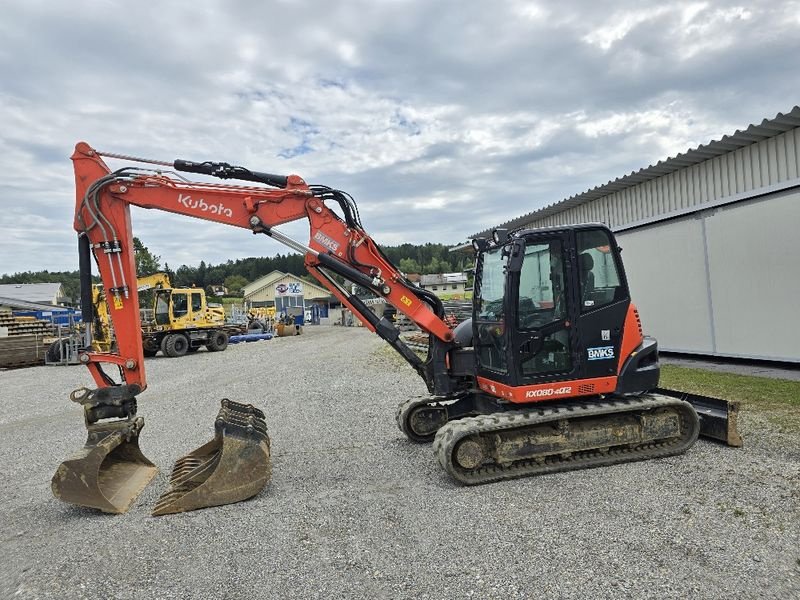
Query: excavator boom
{"type": "Point", "coordinates": [337, 247]}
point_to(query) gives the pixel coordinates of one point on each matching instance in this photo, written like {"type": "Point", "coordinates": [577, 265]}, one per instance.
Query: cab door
{"type": "Point", "coordinates": [542, 308]}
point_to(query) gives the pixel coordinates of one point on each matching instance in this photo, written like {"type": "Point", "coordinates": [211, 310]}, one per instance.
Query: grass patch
{"type": "Point", "coordinates": [777, 399]}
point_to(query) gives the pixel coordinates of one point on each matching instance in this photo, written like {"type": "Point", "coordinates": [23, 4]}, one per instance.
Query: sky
{"type": "Point", "coordinates": [441, 119]}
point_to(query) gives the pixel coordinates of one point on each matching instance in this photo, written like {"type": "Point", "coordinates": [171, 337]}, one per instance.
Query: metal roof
{"type": "Point", "coordinates": [44, 293]}
{"type": "Point", "coordinates": [22, 304]}
{"type": "Point", "coordinates": [754, 133]}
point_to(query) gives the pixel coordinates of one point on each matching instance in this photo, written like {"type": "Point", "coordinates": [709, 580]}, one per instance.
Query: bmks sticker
{"type": "Point", "coordinates": [601, 353]}
{"type": "Point", "coordinates": [324, 240]}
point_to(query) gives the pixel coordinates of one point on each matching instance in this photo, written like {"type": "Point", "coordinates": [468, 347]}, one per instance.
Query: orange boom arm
{"type": "Point", "coordinates": [337, 247]}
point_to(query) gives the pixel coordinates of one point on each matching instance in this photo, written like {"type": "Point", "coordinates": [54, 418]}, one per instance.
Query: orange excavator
{"type": "Point", "coordinates": [551, 373]}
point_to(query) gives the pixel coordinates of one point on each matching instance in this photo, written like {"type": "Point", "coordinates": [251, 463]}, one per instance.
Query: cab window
{"type": "Point", "coordinates": [490, 321]}
{"type": "Point", "coordinates": [197, 302]}
{"type": "Point", "coordinates": [597, 271]}
{"type": "Point", "coordinates": [179, 305]}
{"type": "Point", "coordinates": [541, 286]}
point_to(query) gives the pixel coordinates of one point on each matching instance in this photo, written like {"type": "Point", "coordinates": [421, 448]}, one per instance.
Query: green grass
{"type": "Point", "coordinates": [777, 399]}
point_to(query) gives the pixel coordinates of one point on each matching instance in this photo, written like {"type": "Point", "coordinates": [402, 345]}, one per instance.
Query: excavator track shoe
{"type": "Point", "coordinates": [232, 467]}
{"type": "Point", "coordinates": [565, 437]}
{"type": "Point", "coordinates": [109, 472]}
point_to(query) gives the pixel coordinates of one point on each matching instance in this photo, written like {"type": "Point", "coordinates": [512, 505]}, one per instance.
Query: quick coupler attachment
{"type": "Point", "coordinates": [109, 472]}
{"type": "Point", "coordinates": [232, 467]}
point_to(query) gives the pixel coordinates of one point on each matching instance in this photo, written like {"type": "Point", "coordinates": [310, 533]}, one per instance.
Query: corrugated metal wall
{"type": "Point", "coordinates": [758, 165]}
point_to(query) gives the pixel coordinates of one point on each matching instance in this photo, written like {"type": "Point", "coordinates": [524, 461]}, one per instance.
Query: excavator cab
{"type": "Point", "coordinates": [182, 308]}
{"type": "Point", "coordinates": [553, 305]}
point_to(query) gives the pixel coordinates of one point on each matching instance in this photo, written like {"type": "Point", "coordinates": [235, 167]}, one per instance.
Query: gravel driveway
{"type": "Point", "coordinates": [355, 510]}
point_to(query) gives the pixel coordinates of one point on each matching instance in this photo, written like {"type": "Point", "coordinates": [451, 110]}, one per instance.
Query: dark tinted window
{"type": "Point", "coordinates": [597, 271]}
{"type": "Point", "coordinates": [180, 305]}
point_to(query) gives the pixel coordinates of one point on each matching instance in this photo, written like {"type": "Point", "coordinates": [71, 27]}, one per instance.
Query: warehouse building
{"type": "Point", "coordinates": [445, 285]}
{"type": "Point", "coordinates": [41, 293]}
{"type": "Point", "coordinates": [708, 239]}
{"type": "Point", "coordinates": [290, 294]}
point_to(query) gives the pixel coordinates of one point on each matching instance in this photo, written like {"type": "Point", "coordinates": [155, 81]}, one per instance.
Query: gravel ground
{"type": "Point", "coordinates": [355, 510]}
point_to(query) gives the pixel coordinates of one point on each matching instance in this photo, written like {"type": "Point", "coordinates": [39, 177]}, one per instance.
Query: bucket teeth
{"type": "Point", "coordinates": [109, 472]}
{"type": "Point", "coordinates": [232, 467]}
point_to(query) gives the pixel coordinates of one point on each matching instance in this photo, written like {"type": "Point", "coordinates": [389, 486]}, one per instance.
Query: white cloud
{"type": "Point", "coordinates": [441, 119]}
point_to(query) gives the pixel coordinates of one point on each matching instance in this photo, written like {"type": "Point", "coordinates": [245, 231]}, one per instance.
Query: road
{"type": "Point", "coordinates": [356, 511]}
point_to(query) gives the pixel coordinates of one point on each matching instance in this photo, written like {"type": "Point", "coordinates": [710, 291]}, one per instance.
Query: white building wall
{"type": "Point", "coordinates": [723, 282]}
{"type": "Point", "coordinates": [669, 283]}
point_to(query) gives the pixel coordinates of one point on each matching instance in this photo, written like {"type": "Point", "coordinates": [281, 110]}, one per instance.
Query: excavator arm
{"type": "Point", "coordinates": [156, 280]}
{"type": "Point", "coordinates": [337, 246]}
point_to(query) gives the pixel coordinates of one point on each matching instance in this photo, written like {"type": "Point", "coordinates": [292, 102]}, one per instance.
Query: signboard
{"type": "Point", "coordinates": [289, 289]}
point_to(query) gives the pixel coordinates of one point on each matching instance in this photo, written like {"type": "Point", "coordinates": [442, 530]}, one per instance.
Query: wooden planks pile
{"type": "Point", "coordinates": [25, 342]}
{"type": "Point", "coordinates": [24, 325]}
{"type": "Point", "coordinates": [23, 350]}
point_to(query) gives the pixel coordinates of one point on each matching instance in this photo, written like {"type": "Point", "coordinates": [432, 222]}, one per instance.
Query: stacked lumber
{"type": "Point", "coordinates": [24, 341]}
{"type": "Point", "coordinates": [22, 350]}
{"type": "Point", "coordinates": [25, 325]}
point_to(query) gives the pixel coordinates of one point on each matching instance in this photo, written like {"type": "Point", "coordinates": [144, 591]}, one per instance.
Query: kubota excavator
{"type": "Point", "coordinates": [552, 372]}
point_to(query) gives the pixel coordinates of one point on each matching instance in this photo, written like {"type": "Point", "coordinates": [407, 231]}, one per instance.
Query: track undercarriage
{"type": "Point", "coordinates": [478, 440]}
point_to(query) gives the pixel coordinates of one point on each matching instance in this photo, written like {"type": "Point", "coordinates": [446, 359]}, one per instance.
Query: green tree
{"type": "Point", "coordinates": [147, 263]}
{"type": "Point", "coordinates": [235, 283]}
{"type": "Point", "coordinates": [409, 265]}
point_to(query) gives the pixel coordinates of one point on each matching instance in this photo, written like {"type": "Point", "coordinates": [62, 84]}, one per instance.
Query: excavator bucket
{"type": "Point", "coordinates": [232, 467]}
{"type": "Point", "coordinates": [109, 472]}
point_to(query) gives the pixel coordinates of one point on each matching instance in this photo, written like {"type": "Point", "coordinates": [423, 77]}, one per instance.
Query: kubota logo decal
{"type": "Point", "coordinates": [200, 204]}
{"type": "Point", "coordinates": [562, 391]}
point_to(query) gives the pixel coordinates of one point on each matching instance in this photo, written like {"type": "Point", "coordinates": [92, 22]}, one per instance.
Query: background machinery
{"type": "Point", "coordinates": [552, 372]}
{"type": "Point", "coordinates": [182, 320]}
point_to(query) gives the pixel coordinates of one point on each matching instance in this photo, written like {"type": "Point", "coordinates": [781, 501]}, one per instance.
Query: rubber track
{"type": "Point", "coordinates": [448, 437]}
{"type": "Point", "coordinates": [408, 405]}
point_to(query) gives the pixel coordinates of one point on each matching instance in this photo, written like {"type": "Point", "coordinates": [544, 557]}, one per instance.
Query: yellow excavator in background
{"type": "Point", "coordinates": [179, 321]}
{"type": "Point", "coordinates": [182, 321]}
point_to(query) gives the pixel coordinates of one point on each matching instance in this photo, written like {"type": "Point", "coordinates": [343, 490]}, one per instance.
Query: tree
{"type": "Point", "coordinates": [235, 283]}
{"type": "Point", "coordinates": [409, 265]}
{"type": "Point", "coordinates": [147, 263]}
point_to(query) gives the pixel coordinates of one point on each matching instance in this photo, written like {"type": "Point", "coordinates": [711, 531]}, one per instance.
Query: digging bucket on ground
{"type": "Point", "coordinates": [109, 472]}
{"type": "Point", "coordinates": [232, 467]}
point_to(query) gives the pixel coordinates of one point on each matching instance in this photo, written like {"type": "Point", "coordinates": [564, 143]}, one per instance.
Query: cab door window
{"type": "Point", "coordinates": [542, 310]}
{"type": "Point", "coordinates": [162, 307]}
{"type": "Point", "coordinates": [180, 305]}
{"type": "Point", "coordinates": [197, 302]}
{"type": "Point", "coordinates": [490, 314]}
{"type": "Point", "coordinates": [542, 298]}
{"type": "Point", "coordinates": [597, 271]}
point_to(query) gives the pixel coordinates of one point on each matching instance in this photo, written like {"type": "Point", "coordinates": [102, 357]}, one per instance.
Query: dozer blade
{"type": "Point", "coordinates": [109, 472]}
{"type": "Point", "coordinates": [718, 418]}
{"type": "Point", "coordinates": [232, 467]}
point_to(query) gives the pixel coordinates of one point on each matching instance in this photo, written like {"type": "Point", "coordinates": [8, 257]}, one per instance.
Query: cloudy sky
{"type": "Point", "coordinates": [440, 118]}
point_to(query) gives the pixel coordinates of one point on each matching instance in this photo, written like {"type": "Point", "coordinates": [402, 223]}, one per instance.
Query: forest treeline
{"type": "Point", "coordinates": [235, 274]}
